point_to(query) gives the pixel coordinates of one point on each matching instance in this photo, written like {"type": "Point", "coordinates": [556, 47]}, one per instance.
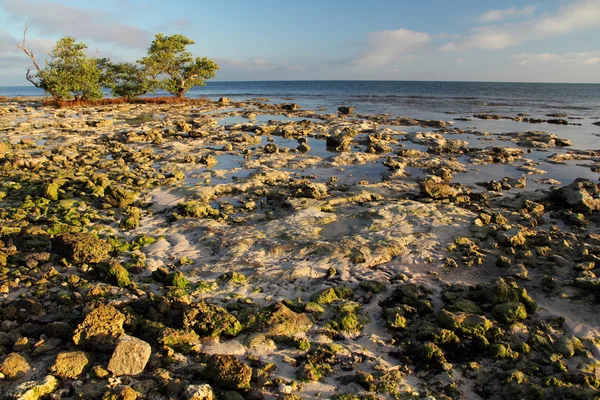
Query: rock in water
{"type": "Point", "coordinates": [130, 357]}
{"type": "Point", "coordinates": [582, 195]}
{"type": "Point", "coordinates": [71, 364]}
{"type": "Point", "coordinates": [435, 189]}
{"type": "Point", "coordinates": [346, 110]}
{"type": "Point", "coordinates": [228, 372]}
{"type": "Point", "coordinates": [199, 392]}
{"type": "Point", "coordinates": [14, 366]}
{"type": "Point", "coordinates": [101, 329]}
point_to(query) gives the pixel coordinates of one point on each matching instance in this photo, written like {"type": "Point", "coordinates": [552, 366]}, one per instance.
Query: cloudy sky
{"type": "Point", "coordinates": [473, 40]}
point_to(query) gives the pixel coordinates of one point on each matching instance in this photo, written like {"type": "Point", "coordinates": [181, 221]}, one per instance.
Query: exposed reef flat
{"type": "Point", "coordinates": [254, 250]}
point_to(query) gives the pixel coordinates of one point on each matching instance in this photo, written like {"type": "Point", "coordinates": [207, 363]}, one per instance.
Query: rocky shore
{"type": "Point", "coordinates": [252, 250]}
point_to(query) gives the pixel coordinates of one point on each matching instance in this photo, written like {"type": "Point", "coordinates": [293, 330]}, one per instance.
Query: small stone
{"type": "Point", "coordinates": [100, 372]}
{"type": "Point", "coordinates": [71, 364]}
{"type": "Point", "coordinates": [14, 366]}
{"type": "Point", "coordinates": [130, 356]}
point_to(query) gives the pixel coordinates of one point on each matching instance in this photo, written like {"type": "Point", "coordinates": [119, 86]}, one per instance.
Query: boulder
{"type": "Point", "coordinates": [14, 366]}
{"type": "Point", "coordinates": [130, 356]}
{"type": "Point", "coordinates": [101, 329]}
{"type": "Point", "coordinates": [71, 364]}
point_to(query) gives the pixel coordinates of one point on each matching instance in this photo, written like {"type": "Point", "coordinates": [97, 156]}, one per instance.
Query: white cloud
{"type": "Point", "coordinates": [55, 18]}
{"type": "Point", "coordinates": [579, 15]}
{"type": "Point", "coordinates": [499, 15]}
{"type": "Point", "coordinates": [581, 59]}
{"type": "Point", "coordinates": [383, 47]}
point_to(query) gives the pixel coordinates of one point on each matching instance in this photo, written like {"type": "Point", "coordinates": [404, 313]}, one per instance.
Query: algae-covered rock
{"type": "Point", "coordinates": [118, 275]}
{"type": "Point", "coordinates": [395, 317]}
{"type": "Point", "coordinates": [463, 323]}
{"type": "Point", "coordinates": [14, 366]}
{"type": "Point", "coordinates": [279, 320]}
{"type": "Point", "coordinates": [210, 320]}
{"type": "Point", "coordinates": [374, 287]}
{"type": "Point", "coordinates": [325, 296]}
{"type": "Point", "coordinates": [119, 197]}
{"type": "Point", "coordinates": [568, 345]}
{"type": "Point", "coordinates": [233, 277]}
{"type": "Point", "coordinates": [429, 353]}
{"type": "Point", "coordinates": [71, 364]}
{"type": "Point", "coordinates": [228, 372]}
{"type": "Point", "coordinates": [178, 280]}
{"type": "Point", "coordinates": [496, 292]}
{"type": "Point", "coordinates": [101, 329]}
{"type": "Point", "coordinates": [81, 248]}
{"type": "Point", "coordinates": [51, 191]}
{"type": "Point", "coordinates": [510, 312]}
{"type": "Point", "coordinates": [179, 339]}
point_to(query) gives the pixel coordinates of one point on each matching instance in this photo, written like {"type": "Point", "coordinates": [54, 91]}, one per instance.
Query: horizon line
{"type": "Point", "coordinates": [373, 80]}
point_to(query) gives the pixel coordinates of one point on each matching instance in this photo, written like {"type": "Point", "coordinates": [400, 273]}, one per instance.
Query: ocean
{"type": "Point", "coordinates": [418, 99]}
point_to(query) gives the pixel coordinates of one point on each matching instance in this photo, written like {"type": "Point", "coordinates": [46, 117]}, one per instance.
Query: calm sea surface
{"type": "Point", "coordinates": [408, 98]}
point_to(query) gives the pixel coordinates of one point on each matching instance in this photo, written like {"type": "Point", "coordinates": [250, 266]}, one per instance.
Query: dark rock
{"type": "Point", "coordinates": [228, 372]}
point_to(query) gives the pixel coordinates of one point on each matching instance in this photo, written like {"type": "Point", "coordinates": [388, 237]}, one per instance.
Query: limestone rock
{"type": "Point", "coordinates": [14, 366]}
{"type": "Point", "coordinates": [33, 390]}
{"type": "Point", "coordinates": [71, 364]}
{"type": "Point", "coordinates": [130, 357]}
{"type": "Point", "coordinates": [199, 392]}
{"type": "Point", "coordinates": [582, 195]}
{"type": "Point", "coordinates": [437, 190]}
{"type": "Point", "coordinates": [101, 329]}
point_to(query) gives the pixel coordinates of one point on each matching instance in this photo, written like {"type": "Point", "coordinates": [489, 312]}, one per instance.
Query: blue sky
{"type": "Point", "coordinates": [544, 40]}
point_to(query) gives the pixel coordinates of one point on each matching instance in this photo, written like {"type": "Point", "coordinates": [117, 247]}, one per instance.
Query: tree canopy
{"type": "Point", "coordinates": [174, 69]}
{"type": "Point", "coordinates": [70, 74]}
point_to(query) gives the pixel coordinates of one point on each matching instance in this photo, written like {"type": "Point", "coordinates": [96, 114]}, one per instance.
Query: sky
{"type": "Point", "coordinates": [460, 40]}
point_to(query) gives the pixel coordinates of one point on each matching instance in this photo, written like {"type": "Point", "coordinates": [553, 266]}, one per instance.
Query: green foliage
{"type": "Point", "coordinates": [173, 68]}
{"type": "Point", "coordinates": [69, 73]}
{"type": "Point", "coordinates": [125, 79]}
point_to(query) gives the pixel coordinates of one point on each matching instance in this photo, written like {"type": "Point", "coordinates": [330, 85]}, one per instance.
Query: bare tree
{"type": "Point", "coordinates": [35, 78]}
